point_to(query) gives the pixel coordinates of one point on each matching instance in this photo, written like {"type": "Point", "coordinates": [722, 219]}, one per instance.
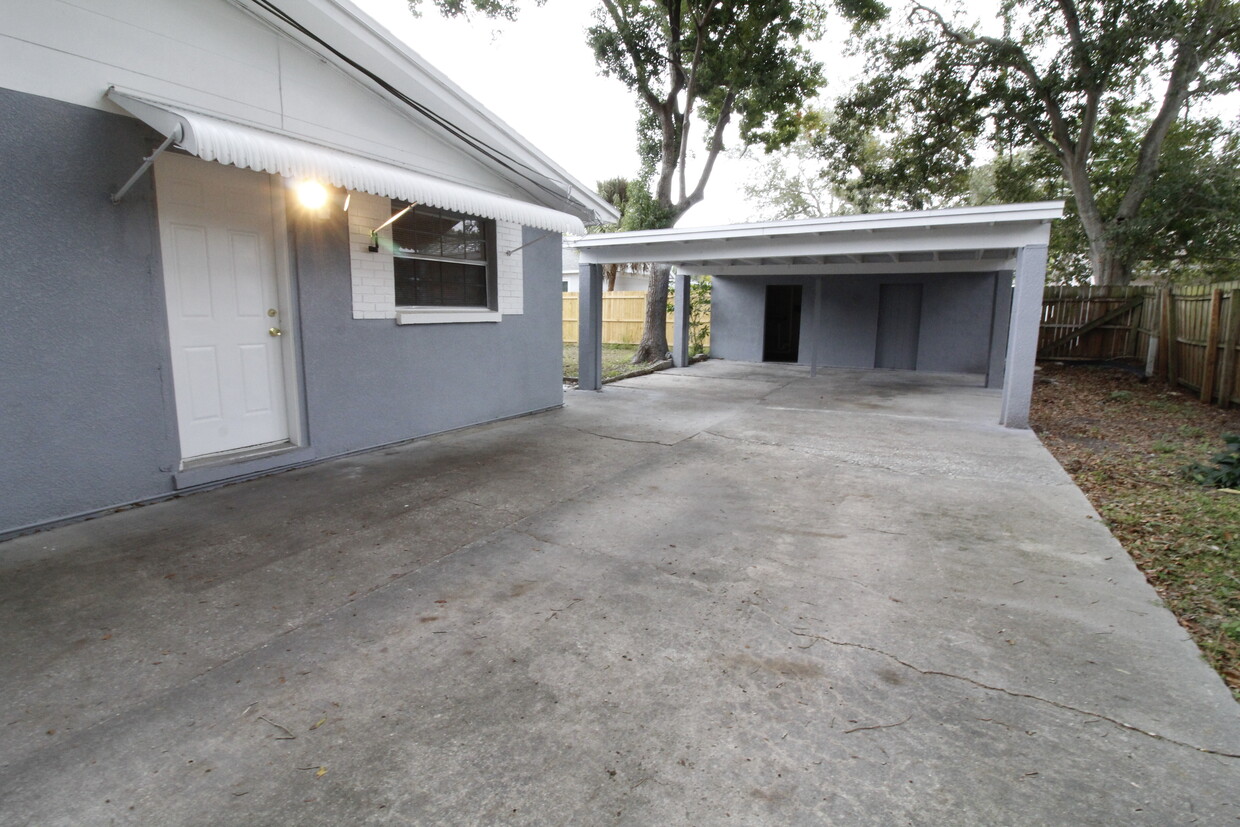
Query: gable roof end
{"type": "Point", "coordinates": [353, 41]}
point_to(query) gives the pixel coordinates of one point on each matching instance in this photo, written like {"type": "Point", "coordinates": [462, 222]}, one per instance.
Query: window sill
{"type": "Point", "coordinates": [446, 315]}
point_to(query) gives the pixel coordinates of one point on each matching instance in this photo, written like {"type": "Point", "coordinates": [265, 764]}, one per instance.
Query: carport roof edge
{"type": "Point", "coordinates": [1016, 217]}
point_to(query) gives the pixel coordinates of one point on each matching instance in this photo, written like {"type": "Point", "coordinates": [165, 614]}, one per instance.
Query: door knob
{"type": "Point", "coordinates": [275, 331]}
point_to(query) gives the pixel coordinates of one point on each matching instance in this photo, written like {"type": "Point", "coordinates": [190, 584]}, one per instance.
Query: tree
{"type": "Point", "coordinates": [1187, 229]}
{"type": "Point", "coordinates": [793, 184]}
{"type": "Point", "coordinates": [701, 60]}
{"type": "Point", "coordinates": [1057, 72]}
{"type": "Point", "coordinates": [812, 178]}
{"type": "Point", "coordinates": [616, 192]}
{"type": "Point", "coordinates": [506, 9]}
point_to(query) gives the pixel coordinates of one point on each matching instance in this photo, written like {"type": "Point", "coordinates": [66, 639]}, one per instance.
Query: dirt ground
{"type": "Point", "coordinates": [1126, 442]}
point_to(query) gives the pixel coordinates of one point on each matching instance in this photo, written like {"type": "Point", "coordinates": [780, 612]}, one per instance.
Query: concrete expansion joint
{"type": "Point", "coordinates": [1009, 692]}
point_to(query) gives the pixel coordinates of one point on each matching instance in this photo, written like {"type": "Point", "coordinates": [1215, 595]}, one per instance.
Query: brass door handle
{"type": "Point", "coordinates": [275, 331]}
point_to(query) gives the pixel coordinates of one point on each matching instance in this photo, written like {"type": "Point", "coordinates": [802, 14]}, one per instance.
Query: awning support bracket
{"type": "Point", "coordinates": [528, 243]}
{"type": "Point", "coordinates": [146, 164]}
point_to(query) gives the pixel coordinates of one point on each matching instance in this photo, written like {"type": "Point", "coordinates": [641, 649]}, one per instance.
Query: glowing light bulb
{"type": "Point", "coordinates": [311, 194]}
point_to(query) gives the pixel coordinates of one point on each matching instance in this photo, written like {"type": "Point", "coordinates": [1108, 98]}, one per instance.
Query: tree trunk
{"type": "Point", "coordinates": [1107, 267]}
{"type": "Point", "coordinates": [653, 345]}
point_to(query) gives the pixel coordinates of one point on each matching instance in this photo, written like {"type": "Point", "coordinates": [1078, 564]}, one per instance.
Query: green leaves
{"type": "Point", "coordinates": [1224, 470]}
{"type": "Point", "coordinates": [1097, 86]}
{"type": "Point", "coordinates": [506, 9]}
{"type": "Point", "coordinates": [705, 63]}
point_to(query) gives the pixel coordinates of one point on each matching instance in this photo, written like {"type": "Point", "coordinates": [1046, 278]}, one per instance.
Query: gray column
{"type": "Point", "coordinates": [1022, 346]}
{"type": "Point", "coordinates": [813, 347]}
{"type": "Point", "coordinates": [590, 328]}
{"type": "Point", "coordinates": [1000, 322]}
{"type": "Point", "coordinates": [680, 321]}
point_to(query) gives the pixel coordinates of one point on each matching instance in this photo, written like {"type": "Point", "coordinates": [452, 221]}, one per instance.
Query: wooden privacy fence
{"type": "Point", "coordinates": [624, 313]}
{"type": "Point", "coordinates": [1185, 335]}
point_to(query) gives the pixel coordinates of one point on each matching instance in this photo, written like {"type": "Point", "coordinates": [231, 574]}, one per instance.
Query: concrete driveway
{"type": "Point", "coordinates": [725, 594]}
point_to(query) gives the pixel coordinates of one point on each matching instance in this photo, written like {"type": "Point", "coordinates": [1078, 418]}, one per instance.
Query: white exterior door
{"type": "Point", "coordinates": [218, 230]}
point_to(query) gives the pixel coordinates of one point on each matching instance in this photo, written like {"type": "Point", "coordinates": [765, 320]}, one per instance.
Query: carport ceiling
{"type": "Point", "coordinates": [960, 240]}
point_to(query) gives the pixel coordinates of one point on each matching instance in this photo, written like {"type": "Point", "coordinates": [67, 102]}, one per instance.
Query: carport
{"type": "Point", "coordinates": [948, 291]}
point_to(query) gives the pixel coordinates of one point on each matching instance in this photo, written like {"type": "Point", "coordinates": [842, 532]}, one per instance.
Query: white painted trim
{"type": "Point", "coordinates": [446, 315]}
{"type": "Point", "coordinates": [998, 215]}
{"type": "Point", "coordinates": [987, 265]}
{"type": "Point", "coordinates": [290, 322]}
{"type": "Point", "coordinates": [709, 250]}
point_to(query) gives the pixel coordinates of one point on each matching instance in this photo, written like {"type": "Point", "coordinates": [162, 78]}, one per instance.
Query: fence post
{"type": "Point", "coordinates": [1210, 369]}
{"type": "Point", "coordinates": [1228, 384]}
{"type": "Point", "coordinates": [1163, 323]}
{"type": "Point", "coordinates": [1171, 331]}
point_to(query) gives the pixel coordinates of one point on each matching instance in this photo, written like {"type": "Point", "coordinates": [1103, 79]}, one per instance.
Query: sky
{"type": "Point", "coordinates": [538, 76]}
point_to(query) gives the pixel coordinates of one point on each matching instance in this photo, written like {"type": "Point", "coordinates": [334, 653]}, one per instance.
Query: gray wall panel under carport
{"type": "Point", "coordinates": [87, 410]}
{"type": "Point", "coordinates": [956, 322]}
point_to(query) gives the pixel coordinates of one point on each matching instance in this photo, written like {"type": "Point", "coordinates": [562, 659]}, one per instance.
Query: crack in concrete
{"type": "Point", "coordinates": [1000, 689]}
{"type": "Point", "coordinates": [625, 439]}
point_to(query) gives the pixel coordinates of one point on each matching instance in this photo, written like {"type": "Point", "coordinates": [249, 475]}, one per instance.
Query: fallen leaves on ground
{"type": "Point", "coordinates": [1126, 441]}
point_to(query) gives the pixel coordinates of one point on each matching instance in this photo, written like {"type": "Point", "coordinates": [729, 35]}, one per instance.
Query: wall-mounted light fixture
{"type": "Point", "coordinates": [311, 194]}
{"type": "Point", "coordinates": [374, 234]}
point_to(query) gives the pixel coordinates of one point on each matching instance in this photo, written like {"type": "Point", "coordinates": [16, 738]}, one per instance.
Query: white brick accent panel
{"type": "Point", "coordinates": [510, 280]}
{"type": "Point", "coordinates": [374, 278]}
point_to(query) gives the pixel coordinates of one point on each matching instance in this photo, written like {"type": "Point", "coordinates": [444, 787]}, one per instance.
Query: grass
{"type": "Point", "coordinates": [1126, 443]}
{"type": "Point", "coordinates": [617, 361]}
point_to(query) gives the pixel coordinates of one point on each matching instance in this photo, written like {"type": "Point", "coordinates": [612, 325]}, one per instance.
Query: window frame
{"type": "Point", "coordinates": [489, 311]}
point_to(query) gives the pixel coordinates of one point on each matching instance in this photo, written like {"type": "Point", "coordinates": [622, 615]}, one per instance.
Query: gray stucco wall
{"type": "Point", "coordinates": [87, 413]}
{"type": "Point", "coordinates": [955, 321]}
{"type": "Point", "coordinates": [85, 382]}
{"type": "Point", "coordinates": [371, 382]}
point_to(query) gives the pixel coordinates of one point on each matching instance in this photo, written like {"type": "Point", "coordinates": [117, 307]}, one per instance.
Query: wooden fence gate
{"type": "Point", "coordinates": [1184, 335]}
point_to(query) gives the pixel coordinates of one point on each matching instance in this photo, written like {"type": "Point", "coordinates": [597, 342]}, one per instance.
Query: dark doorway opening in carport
{"type": "Point", "coordinates": [782, 333]}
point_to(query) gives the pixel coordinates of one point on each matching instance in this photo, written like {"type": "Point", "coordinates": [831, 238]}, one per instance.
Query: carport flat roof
{"type": "Point", "coordinates": [954, 240]}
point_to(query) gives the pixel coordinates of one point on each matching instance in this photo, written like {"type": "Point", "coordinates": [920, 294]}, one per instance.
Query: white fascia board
{"type": "Point", "coordinates": [1001, 215]}
{"type": "Point", "coordinates": [914, 239]}
{"type": "Point", "coordinates": [988, 265]}
{"type": "Point", "coordinates": [348, 29]}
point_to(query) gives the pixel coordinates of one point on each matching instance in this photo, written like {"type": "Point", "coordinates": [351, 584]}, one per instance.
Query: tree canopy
{"type": "Point", "coordinates": [506, 9]}
{"type": "Point", "coordinates": [707, 62]}
{"type": "Point", "coordinates": [1052, 79]}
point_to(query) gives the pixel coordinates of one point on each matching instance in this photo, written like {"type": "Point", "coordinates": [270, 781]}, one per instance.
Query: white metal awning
{"type": "Point", "coordinates": [215, 139]}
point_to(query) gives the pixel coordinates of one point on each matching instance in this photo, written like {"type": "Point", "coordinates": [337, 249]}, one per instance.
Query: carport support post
{"type": "Point", "coordinates": [813, 347]}
{"type": "Point", "coordinates": [1000, 321]}
{"type": "Point", "coordinates": [590, 328]}
{"type": "Point", "coordinates": [680, 322]}
{"type": "Point", "coordinates": [1022, 348]}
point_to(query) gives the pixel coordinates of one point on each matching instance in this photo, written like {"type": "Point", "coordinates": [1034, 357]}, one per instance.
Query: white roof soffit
{"type": "Point", "coordinates": [847, 243]}
{"type": "Point", "coordinates": [344, 27]}
{"type": "Point", "coordinates": [215, 139]}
